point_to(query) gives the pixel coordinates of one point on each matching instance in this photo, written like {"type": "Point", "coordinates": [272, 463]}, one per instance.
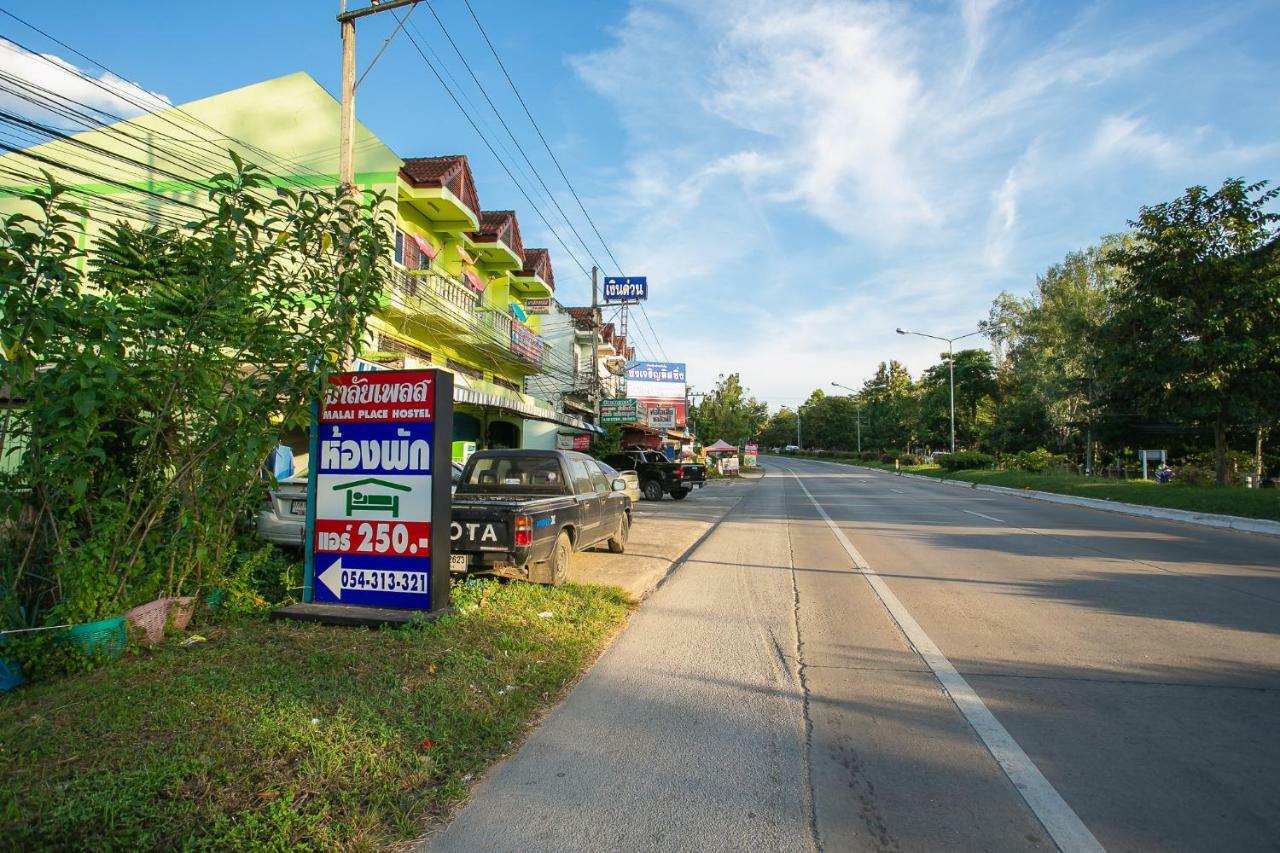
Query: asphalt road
{"type": "Point", "coordinates": [857, 661]}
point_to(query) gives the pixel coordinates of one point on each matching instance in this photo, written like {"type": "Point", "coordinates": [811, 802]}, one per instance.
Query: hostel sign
{"type": "Point", "coordinates": [379, 517]}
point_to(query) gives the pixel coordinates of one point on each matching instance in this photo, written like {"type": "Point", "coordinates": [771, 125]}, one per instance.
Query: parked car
{"type": "Point", "coordinates": [282, 520]}
{"type": "Point", "coordinates": [631, 478]}
{"type": "Point", "coordinates": [658, 474]}
{"type": "Point", "coordinates": [523, 513]}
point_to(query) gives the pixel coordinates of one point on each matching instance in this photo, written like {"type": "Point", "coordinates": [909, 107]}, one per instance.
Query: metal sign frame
{"type": "Point", "coordinates": [375, 422]}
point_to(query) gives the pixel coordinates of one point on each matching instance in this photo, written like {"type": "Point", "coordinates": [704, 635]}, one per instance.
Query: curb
{"type": "Point", "coordinates": [1262, 526]}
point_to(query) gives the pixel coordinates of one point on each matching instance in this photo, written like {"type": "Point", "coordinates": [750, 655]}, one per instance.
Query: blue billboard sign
{"type": "Point", "coordinates": [379, 514]}
{"type": "Point", "coordinates": [619, 288]}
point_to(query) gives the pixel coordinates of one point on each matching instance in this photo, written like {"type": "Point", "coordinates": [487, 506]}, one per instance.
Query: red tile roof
{"type": "Point", "coordinates": [451, 172]}
{"type": "Point", "coordinates": [538, 262]}
{"type": "Point", "coordinates": [500, 225]}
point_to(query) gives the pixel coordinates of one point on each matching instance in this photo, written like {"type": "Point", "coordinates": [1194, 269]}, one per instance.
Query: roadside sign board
{"type": "Point", "coordinates": [619, 410]}
{"type": "Point", "coordinates": [538, 305]}
{"type": "Point", "coordinates": [749, 455]}
{"type": "Point", "coordinates": [624, 288]}
{"type": "Point", "coordinates": [379, 516]}
{"type": "Point", "coordinates": [662, 417]}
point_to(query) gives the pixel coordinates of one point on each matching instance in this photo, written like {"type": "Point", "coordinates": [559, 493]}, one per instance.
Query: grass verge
{"type": "Point", "coordinates": [1229, 500]}
{"type": "Point", "coordinates": [285, 735]}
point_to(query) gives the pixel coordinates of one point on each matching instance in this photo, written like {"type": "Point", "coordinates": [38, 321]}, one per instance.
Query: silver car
{"type": "Point", "coordinates": [631, 478]}
{"type": "Point", "coordinates": [282, 519]}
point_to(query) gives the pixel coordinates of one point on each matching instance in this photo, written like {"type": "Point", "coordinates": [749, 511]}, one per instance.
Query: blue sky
{"type": "Point", "coordinates": [795, 178]}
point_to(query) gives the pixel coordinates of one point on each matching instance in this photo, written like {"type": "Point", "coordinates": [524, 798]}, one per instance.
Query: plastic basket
{"type": "Point", "coordinates": [150, 619]}
{"type": "Point", "coordinates": [106, 639]}
{"type": "Point", "coordinates": [10, 673]}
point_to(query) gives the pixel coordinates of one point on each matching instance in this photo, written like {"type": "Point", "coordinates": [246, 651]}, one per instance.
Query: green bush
{"type": "Point", "coordinates": [966, 459]}
{"type": "Point", "coordinates": [1034, 460]}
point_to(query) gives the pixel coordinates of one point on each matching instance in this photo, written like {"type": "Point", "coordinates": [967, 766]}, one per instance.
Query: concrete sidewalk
{"type": "Point", "coordinates": [661, 532]}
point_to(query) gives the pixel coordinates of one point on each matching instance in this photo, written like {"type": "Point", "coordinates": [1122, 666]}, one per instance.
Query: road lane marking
{"type": "Point", "coordinates": [987, 517]}
{"type": "Point", "coordinates": [899, 491]}
{"type": "Point", "coordinates": [1059, 820]}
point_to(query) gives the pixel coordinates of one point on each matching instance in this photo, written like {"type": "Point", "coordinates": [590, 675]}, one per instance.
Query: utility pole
{"type": "Point", "coordinates": [595, 335]}
{"type": "Point", "coordinates": [798, 444]}
{"type": "Point", "coordinates": [951, 364]}
{"type": "Point", "coordinates": [347, 135]}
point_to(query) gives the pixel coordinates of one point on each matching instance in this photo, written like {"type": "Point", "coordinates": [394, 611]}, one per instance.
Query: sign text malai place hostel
{"type": "Point", "coordinates": [380, 531]}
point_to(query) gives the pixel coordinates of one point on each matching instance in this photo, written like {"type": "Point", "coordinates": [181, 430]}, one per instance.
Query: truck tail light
{"type": "Point", "coordinates": [524, 531]}
{"type": "Point", "coordinates": [679, 472]}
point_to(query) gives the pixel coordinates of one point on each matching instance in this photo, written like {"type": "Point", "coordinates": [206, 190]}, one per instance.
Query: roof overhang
{"type": "Point", "coordinates": [445, 210]}
{"type": "Point", "coordinates": [530, 285]}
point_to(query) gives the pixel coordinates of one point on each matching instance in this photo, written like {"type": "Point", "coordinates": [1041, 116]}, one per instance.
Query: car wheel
{"type": "Point", "coordinates": [680, 494]}
{"type": "Point", "coordinates": [652, 491]}
{"type": "Point", "coordinates": [618, 541]}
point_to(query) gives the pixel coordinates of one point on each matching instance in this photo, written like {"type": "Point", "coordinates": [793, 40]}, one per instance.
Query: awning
{"type": "Point", "coordinates": [472, 397]}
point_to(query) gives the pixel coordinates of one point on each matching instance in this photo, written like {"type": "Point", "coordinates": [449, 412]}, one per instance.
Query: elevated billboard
{"type": "Point", "coordinates": [659, 384]}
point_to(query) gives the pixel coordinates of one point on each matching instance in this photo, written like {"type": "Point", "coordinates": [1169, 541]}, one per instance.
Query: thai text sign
{"type": "Point", "coordinates": [659, 384]}
{"type": "Point", "coordinates": [621, 288]}
{"type": "Point", "coordinates": [381, 516]}
{"type": "Point", "coordinates": [538, 305]}
{"type": "Point", "coordinates": [619, 410]}
{"type": "Point", "coordinates": [749, 454]}
{"type": "Point", "coordinates": [662, 417]}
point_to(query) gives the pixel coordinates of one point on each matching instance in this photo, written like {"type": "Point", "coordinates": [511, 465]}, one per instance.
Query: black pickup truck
{"type": "Point", "coordinates": [658, 474]}
{"type": "Point", "coordinates": [523, 513]}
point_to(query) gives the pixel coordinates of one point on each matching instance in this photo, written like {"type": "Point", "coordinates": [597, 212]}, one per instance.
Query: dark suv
{"type": "Point", "coordinates": [658, 474]}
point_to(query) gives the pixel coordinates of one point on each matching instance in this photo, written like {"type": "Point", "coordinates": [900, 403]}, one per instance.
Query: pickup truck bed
{"type": "Point", "coordinates": [523, 513]}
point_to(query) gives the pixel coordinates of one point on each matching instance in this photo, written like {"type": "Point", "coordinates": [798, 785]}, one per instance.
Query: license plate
{"type": "Point", "coordinates": [298, 507]}
{"type": "Point", "coordinates": [457, 562]}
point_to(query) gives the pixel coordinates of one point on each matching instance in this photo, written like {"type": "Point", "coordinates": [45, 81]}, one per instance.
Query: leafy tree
{"type": "Point", "coordinates": [780, 429]}
{"type": "Point", "coordinates": [1194, 333]}
{"type": "Point", "coordinates": [975, 388]}
{"type": "Point", "coordinates": [729, 413]}
{"type": "Point", "coordinates": [155, 387]}
{"type": "Point", "coordinates": [889, 407]}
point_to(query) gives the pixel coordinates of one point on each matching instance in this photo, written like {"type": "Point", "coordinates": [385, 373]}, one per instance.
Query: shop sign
{"type": "Point", "coordinates": [379, 531]}
{"type": "Point", "coordinates": [749, 455]}
{"type": "Point", "coordinates": [538, 305]}
{"type": "Point", "coordinates": [729, 465]}
{"type": "Point", "coordinates": [662, 417]}
{"type": "Point", "coordinates": [626, 288]}
{"type": "Point", "coordinates": [619, 410]}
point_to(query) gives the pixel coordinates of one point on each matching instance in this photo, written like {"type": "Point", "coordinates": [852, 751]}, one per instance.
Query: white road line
{"type": "Point", "coordinates": [899, 491]}
{"type": "Point", "coordinates": [987, 517]}
{"type": "Point", "coordinates": [1058, 818]}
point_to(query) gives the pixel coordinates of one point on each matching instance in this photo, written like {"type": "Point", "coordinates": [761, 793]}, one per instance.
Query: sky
{"type": "Point", "coordinates": [796, 179]}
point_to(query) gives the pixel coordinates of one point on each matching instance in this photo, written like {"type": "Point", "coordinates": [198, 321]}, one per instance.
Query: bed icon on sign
{"type": "Point", "coordinates": [366, 501]}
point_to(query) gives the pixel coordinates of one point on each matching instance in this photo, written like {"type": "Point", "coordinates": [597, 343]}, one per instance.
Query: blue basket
{"type": "Point", "coordinates": [105, 639]}
{"type": "Point", "coordinates": [10, 673]}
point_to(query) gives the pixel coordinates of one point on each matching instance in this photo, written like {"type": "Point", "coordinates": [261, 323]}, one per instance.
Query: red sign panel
{"type": "Point", "coordinates": [378, 396]}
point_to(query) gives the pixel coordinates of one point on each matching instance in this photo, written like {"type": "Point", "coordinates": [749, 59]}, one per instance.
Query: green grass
{"type": "Point", "coordinates": [284, 735]}
{"type": "Point", "coordinates": [1228, 500]}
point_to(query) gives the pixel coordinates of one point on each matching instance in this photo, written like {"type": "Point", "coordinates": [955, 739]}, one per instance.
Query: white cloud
{"type": "Point", "coordinates": [812, 173]}
{"type": "Point", "coordinates": [47, 75]}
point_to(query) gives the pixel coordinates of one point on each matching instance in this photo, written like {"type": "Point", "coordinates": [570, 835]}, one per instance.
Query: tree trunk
{"type": "Point", "coordinates": [1220, 446]}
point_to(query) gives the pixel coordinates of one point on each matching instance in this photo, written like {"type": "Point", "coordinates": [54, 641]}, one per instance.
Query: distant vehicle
{"type": "Point", "coordinates": [937, 454]}
{"type": "Point", "coordinates": [658, 474]}
{"type": "Point", "coordinates": [631, 478]}
{"type": "Point", "coordinates": [523, 513]}
{"type": "Point", "coordinates": [791, 448]}
{"type": "Point", "coordinates": [282, 520]}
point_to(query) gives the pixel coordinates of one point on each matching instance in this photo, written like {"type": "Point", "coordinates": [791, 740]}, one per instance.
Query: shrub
{"type": "Point", "coordinates": [966, 459]}
{"type": "Point", "coordinates": [1034, 460]}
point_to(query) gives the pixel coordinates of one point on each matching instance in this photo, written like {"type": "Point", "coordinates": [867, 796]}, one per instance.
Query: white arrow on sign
{"type": "Point", "coordinates": [381, 580]}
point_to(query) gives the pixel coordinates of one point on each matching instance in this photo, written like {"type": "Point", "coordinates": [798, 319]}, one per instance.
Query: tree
{"type": "Point", "coordinates": [1194, 332]}
{"type": "Point", "coordinates": [780, 429]}
{"type": "Point", "coordinates": [889, 407]}
{"type": "Point", "coordinates": [729, 413]}
{"type": "Point", "coordinates": [975, 387]}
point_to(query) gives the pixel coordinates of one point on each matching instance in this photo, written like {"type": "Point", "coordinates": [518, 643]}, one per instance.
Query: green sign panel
{"type": "Point", "coordinates": [619, 410]}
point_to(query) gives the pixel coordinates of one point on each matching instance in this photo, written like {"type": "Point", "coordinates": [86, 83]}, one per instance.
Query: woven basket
{"type": "Point", "coordinates": [150, 619]}
{"type": "Point", "coordinates": [181, 610]}
{"type": "Point", "coordinates": [106, 638]}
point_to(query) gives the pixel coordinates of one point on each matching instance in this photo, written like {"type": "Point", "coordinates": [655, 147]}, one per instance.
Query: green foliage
{"type": "Point", "coordinates": [1034, 460]}
{"type": "Point", "coordinates": [156, 384]}
{"type": "Point", "coordinates": [965, 459]}
{"type": "Point", "coordinates": [728, 413]}
{"type": "Point", "coordinates": [1194, 330]}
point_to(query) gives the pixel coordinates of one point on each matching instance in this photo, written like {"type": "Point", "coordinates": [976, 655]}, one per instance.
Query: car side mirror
{"type": "Point", "coordinates": [619, 485]}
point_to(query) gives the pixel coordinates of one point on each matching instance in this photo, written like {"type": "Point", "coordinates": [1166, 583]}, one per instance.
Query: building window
{"type": "Point", "coordinates": [498, 380]}
{"type": "Point", "coordinates": [465, 369]}
{"type": "Point", "coordinates": [399, 246]}
{"type": "Point", "coordinates": [386, 344]}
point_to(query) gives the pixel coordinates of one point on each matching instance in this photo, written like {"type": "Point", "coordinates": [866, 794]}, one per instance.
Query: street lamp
{"type": "Point", "coordinates": [857, 404]}
{"type": "Point", "coordinates": [951, 363]}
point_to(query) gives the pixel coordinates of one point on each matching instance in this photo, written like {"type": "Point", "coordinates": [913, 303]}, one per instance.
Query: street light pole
{"type": "Point", "coordinates": [857, 409]}
{"type": "Point", "coordinates": [951, 362]}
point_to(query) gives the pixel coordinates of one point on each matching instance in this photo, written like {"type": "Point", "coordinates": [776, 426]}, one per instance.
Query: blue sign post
{"type": "Point", "coordinates": [378, 497]}
{"type": "Point", "coordinates": [618, 288]}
